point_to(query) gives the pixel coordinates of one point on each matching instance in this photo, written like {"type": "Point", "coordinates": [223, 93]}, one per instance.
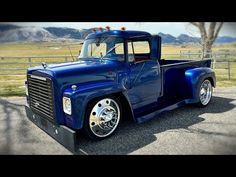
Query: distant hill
{"type": "Point", "coordinates": [167, 38]}
{"type": "Point", "coordinates": [13, 33]}
{"type": "Point", "coordinates": [24, 34]}
{"type": "Point", "coordinates": [5, 27]}
{"type": "Point", "coordinates": [225, 39]}
{"type": "Point", "coordinates": [184, 38]}
{"type": "Point", "coordinates": [64, 32]}
{"type": "Point", "coordinates": [181, 39]}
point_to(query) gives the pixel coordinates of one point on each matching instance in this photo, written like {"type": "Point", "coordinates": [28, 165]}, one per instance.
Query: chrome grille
{"type": "Point", "coordinates": [41, 95]}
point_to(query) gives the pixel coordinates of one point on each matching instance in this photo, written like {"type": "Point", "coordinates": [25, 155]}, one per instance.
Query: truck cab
{"type": "Point", "coordinates": [119, 74]}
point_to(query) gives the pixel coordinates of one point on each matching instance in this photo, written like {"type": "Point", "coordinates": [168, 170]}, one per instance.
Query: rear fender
{"type": "Point", "coordinates": [194, 78]}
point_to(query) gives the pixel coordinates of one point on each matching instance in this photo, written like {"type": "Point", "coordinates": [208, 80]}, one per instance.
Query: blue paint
{"type": "Point", "coordinates": [119, 33]}
{"type": "Point", "coordinates": [150, 86]}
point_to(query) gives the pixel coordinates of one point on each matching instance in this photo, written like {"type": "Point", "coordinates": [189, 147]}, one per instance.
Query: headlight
{"type": "Point", "coordinates": [67, 105]}
{"type": "Point", "coordinates": [26, 89]}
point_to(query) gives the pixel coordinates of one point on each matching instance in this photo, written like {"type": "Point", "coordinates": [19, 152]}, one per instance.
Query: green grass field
{"type": "Point", "coordinates": [12, 84]}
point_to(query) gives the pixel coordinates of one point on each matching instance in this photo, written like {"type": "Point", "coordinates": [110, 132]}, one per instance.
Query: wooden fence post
{"type": "Point", "coordinates": [229, 69]}
{"type": "Point", "coordinates": [30, 62]}
{"type": "Point", "coordinates": [214, 62]}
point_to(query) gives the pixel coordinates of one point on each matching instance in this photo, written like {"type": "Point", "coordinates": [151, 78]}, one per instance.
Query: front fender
{"type": "Point", "coordinates": [194, 78]}
{"type": "Point", "coordinates": [81, 97]}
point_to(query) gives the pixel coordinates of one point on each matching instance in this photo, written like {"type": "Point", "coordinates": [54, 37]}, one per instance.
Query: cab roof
{"type": "Point", "coordinates": [118, 33]}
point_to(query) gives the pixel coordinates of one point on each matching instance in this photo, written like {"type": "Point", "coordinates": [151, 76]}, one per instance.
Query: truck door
{"type": "Point", "coordinates": [145, 77]}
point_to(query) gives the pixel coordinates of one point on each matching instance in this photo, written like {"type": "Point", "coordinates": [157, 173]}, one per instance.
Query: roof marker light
{"type": "Point", "coordinates": [100, 29]}
{"type": "Point", "coordinates": [94, 30]}
{"type": "Point", "coordinates": [108, 28]}
{"type": "Point", "coordinates": [123, 28]}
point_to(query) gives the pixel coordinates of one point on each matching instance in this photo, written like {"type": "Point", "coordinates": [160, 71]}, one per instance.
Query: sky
{"type": "Point", "coordinates": [173, 28]}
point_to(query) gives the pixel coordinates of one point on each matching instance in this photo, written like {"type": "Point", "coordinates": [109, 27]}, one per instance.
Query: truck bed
{"type": "Point", "coordinates": [173, 77]}
{"type": "Point", "coordinates": [172, 62]}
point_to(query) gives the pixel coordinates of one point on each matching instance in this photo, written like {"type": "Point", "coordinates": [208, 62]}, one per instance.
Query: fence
{"type": "Point", "coordinates": [18, 65]}
{"type": "Point", "coordinates": [197, 54]}
{"type": "Point", "coordinates": [224, 64]}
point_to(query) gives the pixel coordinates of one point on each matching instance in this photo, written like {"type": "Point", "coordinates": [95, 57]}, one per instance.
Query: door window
{"type": "Point", "coordinates": [138, 51]}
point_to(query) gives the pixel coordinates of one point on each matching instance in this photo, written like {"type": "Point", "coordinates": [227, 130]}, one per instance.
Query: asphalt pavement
{"type": "Point", "coordinates": [186, 130]}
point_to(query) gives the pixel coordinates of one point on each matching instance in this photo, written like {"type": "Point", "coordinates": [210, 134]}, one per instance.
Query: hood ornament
{"type": "Point", "coordinates": [74, 87]}
{"type": "Point", "coordinates": [44, 65]}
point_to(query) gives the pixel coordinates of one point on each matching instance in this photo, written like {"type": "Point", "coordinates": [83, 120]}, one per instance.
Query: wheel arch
{"type": "Point", "coordinates": [194, 77]}
{"type": "Point", "coordinates": [213, 83]}
{"type": "Point", "coordinates": [81, 98]}
{"type": "Point", "coordinates": [126, 106]}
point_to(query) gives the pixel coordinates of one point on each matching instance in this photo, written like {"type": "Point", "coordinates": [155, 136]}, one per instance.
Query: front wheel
{"type": "Point", "coordinates": [205, 93]}
{"type": "Point", "coordinates": [102, 117]}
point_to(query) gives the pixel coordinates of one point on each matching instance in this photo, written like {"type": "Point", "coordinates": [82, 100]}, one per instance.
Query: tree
{"type": "Point", "coordinates": [209, 36]}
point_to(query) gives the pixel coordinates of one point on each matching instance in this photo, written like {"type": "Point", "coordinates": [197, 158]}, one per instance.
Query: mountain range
{"type": "Point", "coordinates": [13, 33]}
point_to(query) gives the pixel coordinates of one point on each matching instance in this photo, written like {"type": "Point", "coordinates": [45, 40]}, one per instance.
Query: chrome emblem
{"type": "Point", "coordinates": [44, 65]}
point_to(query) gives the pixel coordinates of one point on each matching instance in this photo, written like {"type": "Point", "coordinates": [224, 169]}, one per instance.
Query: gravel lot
{"type": "Point", "coordinates": [187, 130]}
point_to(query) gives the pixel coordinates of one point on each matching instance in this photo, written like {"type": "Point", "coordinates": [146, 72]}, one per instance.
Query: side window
{"type": "Point", "coordinates": [130, 48]}
{"type": "Point", "coordinates": [138, 51]}
{"type": "Point", "coordinates": [130, 52]}
{"type": "Point", "coordinates": [141, 47]}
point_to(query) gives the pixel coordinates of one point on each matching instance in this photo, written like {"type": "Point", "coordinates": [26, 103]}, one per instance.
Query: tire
{"type": "Point", "coordinates": [205, 90]}
{"type": "Point", "coordinates": [102, 117]}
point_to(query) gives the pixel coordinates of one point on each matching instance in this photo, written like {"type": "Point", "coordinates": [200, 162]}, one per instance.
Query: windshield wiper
{"type": "Point", "coordinates": [110, 51]}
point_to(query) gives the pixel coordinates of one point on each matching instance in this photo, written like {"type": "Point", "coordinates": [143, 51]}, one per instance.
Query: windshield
{"type": "Point", "coordinates": [104, 48]}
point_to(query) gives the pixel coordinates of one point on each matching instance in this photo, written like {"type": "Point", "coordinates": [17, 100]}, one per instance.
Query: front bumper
{"type": "Point", "coordinates": [62, 134]}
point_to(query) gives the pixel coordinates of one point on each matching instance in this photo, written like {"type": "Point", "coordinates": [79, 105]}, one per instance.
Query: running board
{"type": "Point", "coordinates": [155, 113]}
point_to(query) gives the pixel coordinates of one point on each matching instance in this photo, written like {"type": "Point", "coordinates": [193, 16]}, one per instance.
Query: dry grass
{"type": "Point", "coordinates": [38, 49]}
{"type": "Point", "coordinates": [12, 85]}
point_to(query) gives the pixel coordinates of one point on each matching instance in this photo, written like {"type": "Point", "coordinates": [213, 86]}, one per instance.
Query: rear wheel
{"type": "Point", "coordinates": [102, 117]}
{"type": "Point", "coordinates": [205, 93]}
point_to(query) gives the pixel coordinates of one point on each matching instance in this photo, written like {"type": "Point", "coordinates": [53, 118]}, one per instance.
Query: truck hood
{"type": "Point", "coordinates": [79, 72]}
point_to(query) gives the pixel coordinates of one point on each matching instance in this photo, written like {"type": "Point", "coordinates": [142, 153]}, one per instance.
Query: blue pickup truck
{"type": "Point", "coordinates": [119, 74]}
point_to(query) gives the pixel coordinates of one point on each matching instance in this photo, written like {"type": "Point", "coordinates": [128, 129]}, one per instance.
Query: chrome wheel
{"type": "Point", "coordinates": [104, 117]}
{"type": "Point", "coordinates": [205, 92]}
